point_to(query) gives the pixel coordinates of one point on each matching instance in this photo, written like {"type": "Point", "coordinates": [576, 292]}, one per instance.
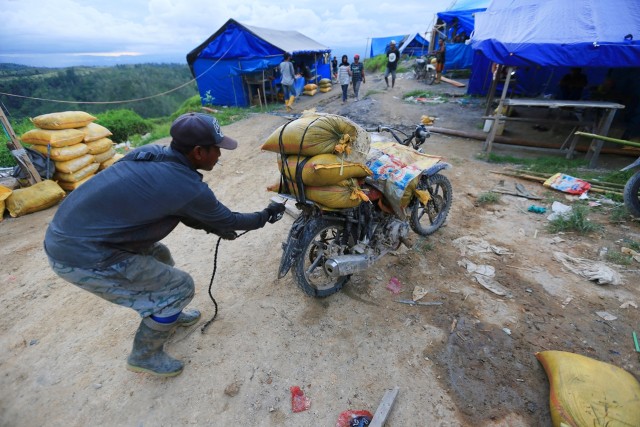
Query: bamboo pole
{"type": "Point", "coordinates": [609, 139]}
{"type": "Point", "coordinates": [594, 188]}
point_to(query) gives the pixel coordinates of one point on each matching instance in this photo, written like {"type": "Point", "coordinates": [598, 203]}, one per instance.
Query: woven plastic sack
{"type": "Point", "coordinates": [103, 157]}
{"type": "Point", "coordinates": [587, 392]}
{"type": "Point", "coordinates": [99, 146]}
{"type": "Point", "coordinates": [324, 81]}
{"type": "Point", "coordinates": [94, 132]}
{"type": "Point", "coordinates": [567, 184]}
{"type": "Point", "coordinates": [4, 193]}
{"type": "Point", "coordinates": [55, 138]}
{"type": "Point", "coordinates": [70, 186]}
{"type": "Point", "coordinates": [325, 89]}
{"type": "Point", "coordinates": [76, 176]}
{"type": "Point", "coordinates": [110, 161]}
{"type": "Point", "coordinates": [74, 165]}
{"type": "Point", "coordinates": [345, 194]}
{"type": "Point", "coordinates": [310, 92]}
{"type": "Point", "coordinates": [323, 169]}
{"type": "Point", "coordinates": [310, 86]}
{"type": "Point", "coordinates": [39, 196]}
{"type": "Point", "coordinates": [62, 153]}
{"type": "Point", "coordinates": [317, 133]}
{"type": "Point", "coordinates": [63, 120]}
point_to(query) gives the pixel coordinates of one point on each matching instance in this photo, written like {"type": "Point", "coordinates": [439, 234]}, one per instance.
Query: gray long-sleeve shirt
{"type": "Point", "coordinates": [133, 204]}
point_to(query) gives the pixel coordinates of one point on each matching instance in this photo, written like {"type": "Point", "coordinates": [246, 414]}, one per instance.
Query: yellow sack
{"type": "Point", "coordinates": [325, 81]}
{"type": "Point", "coordinates": [94, 131]}
{"type": "Point", "coordinates": [63, 120]}
{"type": "Point", "coordinates": [55, 138]}
{"type": "Point", "coordinates": [99, 146]}
{"type": "Point", "coordinates": [74, 165]}
{"type": "Point", "coordinates": [323, 134]}
{"type": "Point", "coordinates": [310, 86]}
{"type": "Point", "coordinates": [323, 169]}
{"type": "Point", "coordinates": [587, 392]}
{"type": "Point", "coordinates": [76, 176]}
{"type": "Point", "coordinates": [39, 196]}
{"type": "Point", "coordinates": [103, 157]}
{"type": "Point", "coordinates": [110, 161]}
{"type": "Point", "coordinates": [325, 89]}
{"type": "Point", "coordinates": [4, 193]}
{"type": "Point", "coordinates": [310, 92]}
{"type": "Point", "coordinates": [70, 186]}
{"type": "Point", "coordinates": [345, 194]}
{"type": "Point", "coordinates": [63, 153]}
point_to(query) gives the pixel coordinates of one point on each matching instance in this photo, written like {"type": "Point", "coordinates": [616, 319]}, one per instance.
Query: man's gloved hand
{"type": "Point", "coordinates": [276, 211]}
{"type": "Point", "coordinates": [227, 234]}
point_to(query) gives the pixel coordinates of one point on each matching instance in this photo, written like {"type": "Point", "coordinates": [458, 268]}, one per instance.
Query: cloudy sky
{"type": "Point", "coordinates": [78, 32]}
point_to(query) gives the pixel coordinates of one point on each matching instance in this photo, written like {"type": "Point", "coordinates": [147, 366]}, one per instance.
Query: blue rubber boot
{"type": "Point", "coordinates": [148, 354]}
{"type": "Point", "coordinates": [188, 318]}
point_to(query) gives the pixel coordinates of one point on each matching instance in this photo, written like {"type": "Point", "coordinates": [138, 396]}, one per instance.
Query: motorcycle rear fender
{"type": "Point", "coordinates": [632, 165]}
{"type": "Point", "coordinates": [436, 168]}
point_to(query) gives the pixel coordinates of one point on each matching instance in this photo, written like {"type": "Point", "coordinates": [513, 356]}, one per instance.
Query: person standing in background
{"type": "Point", "coordinates": [440, 58]}
{"type": "Point", "coordinates": [392, 63]}
{"type": "Point", "coordinates": [357, 75]}
{"type": "Point", "coordinates": [344, 76]}
{"type": "Point", "coordinates": [288, 76]}
{"type": "Point", "coordinates": [334, 68]}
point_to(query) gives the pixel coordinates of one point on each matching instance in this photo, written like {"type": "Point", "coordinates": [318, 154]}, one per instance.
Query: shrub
{"type": "Point", "coordinates": [123, 124]}
{"type": "Point", "coordinates": [488, 198]}
{"type": "Point", "coordinates": [19, 127]}
{"type": "Point", "coordinates": [576, 220]}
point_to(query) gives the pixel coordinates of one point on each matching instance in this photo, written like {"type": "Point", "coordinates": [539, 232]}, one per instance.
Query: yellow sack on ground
{"type": "Point", "coordinates": [62, 153]}
{"type": "Point", "coordinates": [70, 186]}
{"type": "Point", "coordinates": [103, 157]}
{"type": "Point", "coordinates": [325, 81]}
{"type": "Point", "coordinates": [76, 176]}
{"type": "Point", "coordinates": [345, 194]}
{"type": "Point", "coordinates": [587, 392]}
{"type": "Point", "coordinates": [55, 138]}
{"type": "Point", "coordinates": [94, 131]}
{"type": "Point", "coordinates": [325, 89]}
{"type": "Point", "coordinates": [318, 133]}
{"type": "Point", "coordinates": [99, 146]}
{"type": "Point", "coordinates": [310, 86]}
{"type": "Point", "coordinates": [63, 120]}
{"type": "Point", "coordinates": [4, 193]}
{"type": "Point", "coordinates": [39, 196]}
{"type": "Point", "coordinates": [323, 169]}
{"type": "Point", "coordinates": [74, 165]}
{"type": "Point", "coordinates": [110, 161]}
{"type": "Point", "coordinates": [310, 92]}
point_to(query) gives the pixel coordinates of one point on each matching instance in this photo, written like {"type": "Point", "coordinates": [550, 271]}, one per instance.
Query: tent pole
{"type": "Point", "coordinates": [235, 97]}
{"type": "Point", "coordinates": [492, 90]}
{"type": "Point", "coordinates": [494, 125]}
{"type": "Point", "coordinates": [264, 90]}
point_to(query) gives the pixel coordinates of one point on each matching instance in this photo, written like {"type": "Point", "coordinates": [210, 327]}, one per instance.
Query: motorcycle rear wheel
{"type": "Point", "coordinates": [322, 240]}
{"type": "Point", "coordinates": [431, 76]}
{"type": "Point", "coordinates": [631, 195]}
{"type": "Point", "coordinates": [426, 219]}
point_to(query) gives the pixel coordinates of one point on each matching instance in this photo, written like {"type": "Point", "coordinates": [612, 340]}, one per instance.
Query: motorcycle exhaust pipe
{"type": "Point", "coordinates": [344, 265]}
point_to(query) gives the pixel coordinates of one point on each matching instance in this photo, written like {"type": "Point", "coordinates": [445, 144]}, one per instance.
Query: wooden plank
{"type": "Point", "coordinates": [19, 152]}
{"type": "Point", "coordinates": [452, 82]}
{"type": "Point", "coordinates": [380, 417]}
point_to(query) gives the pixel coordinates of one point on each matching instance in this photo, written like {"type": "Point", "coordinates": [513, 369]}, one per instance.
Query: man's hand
{"type": "Point", "coordinates": [227, 235]}
{"type": "Point", "coordinates": [275, 211]}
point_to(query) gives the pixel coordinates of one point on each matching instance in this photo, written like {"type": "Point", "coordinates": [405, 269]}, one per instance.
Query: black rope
{"type": "Point", "coordinates": [215, 267]}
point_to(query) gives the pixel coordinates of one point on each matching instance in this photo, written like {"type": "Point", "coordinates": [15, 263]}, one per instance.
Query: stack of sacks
{"type": "Point", "coordinates": [78, 147]}
{"type": "Point", "coordinates": [310, 89]}
{"type": "Point", "coordinates": [325, 85]}
{"type": "Point", "coordinates": [324, 154]}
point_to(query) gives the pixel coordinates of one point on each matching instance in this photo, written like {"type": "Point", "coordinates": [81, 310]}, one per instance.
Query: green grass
{"type": "Point", "coordinates": [19, 127]}
{"type": "Point", "coordinates": [423, 245]}
{"type": "Point", "coordinates": [619, 258]}
{"type": "Point", "coordinates": [619, 214]}
{"type": "Point", "coordinates": [576, 220]}
{"type": "Point", "coordinates": [488, 198]}
{"type": "Point", "coordinates": [631, 244]}
{"type": "Point", "coordinates": [419, 93]}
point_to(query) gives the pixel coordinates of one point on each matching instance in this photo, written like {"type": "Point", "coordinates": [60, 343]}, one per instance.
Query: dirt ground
{"type": "Point", "coordinates": [468, 362]}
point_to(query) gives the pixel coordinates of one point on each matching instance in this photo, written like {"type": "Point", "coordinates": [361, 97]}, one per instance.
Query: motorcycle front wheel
{"type": "Point", "coordinates": [631, 195]}
{"type": "Point", "coordinates": [322, 239]}
{"type": "Point", "coordinates": [426, 219]}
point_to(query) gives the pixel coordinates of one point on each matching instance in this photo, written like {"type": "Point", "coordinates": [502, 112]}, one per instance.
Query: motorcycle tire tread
{"type": "Point", "coordinates": [433, 180]}
{"type": "Point", "coordinates": [631, 195]}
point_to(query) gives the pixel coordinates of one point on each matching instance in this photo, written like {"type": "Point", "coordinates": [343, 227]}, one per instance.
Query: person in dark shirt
{"type": "Point", "coordinates": [334, 68]}
{"type": "Point", "coordinates": [105, 236]}
{"type": "Point", "coordinates": [392, 63]}
{"type": "Point", "coordinates": [572, 84]}
{"type": "Point", "coordinates": [357, 75]}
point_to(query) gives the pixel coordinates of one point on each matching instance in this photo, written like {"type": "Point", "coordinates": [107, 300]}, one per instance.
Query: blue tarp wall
{"type": "Point", "coordinates": [379, 44]}
{"type": "Point", "coordinates": [415, 46]}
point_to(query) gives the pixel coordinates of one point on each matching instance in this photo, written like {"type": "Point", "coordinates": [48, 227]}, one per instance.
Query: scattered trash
{"type": "Point", "coordinates": [628, 304]}
{"type": "Point", "coordinates": [559, 210]}
{"type": "Point", "coordinates": [537, 209]}
{"type": "Point", "coordinates": [490, 284]}
{"type": "Point", "coordinates": [590, 270]}
{"type": "Point", "coordinates": [566, 301]}
{"type": "Point", "coordinates": [299, 402]}
{"type": "Point", "coordinates": [418, 293]}
{"type": "Point", "coordinates": [507, 331]}
{"type": "Point", "coordinates": [606, 315]}
{"type": "Point", "coordinates": [485, 270]}
{"type": "Point", "coordinates": [352, 418]}
{"type": "Point", "coordinates": [469, 245]}
{"type": "Point", "coordinates": [412, 302]}
{"type": "Point", "coordinates": [628, 251]}
{"type": "Point", "coordinates": [557, 240]}
{"type": "Point", "coordinates": [567, 184]}
{"type": "Point", "coordinates": [635, 341]}
{"type": "Point", "coordinates": [603, 252]}
{"type": "Point", "coordinates": [529, 290]}
{"type": "Point", "coordinates": [34, 342]}
{"type": "Point", "coordinates": [394, 286]}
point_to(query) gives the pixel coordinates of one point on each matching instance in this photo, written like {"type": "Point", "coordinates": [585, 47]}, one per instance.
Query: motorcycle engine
{"type": "Point", "coordinates": [395, 231]}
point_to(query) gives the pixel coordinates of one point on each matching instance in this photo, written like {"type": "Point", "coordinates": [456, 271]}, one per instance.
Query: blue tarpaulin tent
{"type": "Point", "coordinates": [237, 54]}
{"type": "Point", "coordinates": [539, 37]}
{"type": "Point", "coordinates": [379, 44]}
{"type": "Point", "coordinates": [415, 45]}
{"type": "Point", "coordinates": [460, 55]}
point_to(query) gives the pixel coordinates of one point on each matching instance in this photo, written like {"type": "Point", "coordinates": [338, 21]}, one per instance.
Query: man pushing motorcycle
{"type": "Point", "coordinates": [105, 236]}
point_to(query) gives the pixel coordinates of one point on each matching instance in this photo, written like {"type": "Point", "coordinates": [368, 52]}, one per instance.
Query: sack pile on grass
{"type": "Point", "coordinates": [325, 85]}
{"type": "Point", "coordinates": [78, 147]}
{"type": "Point", "coordinates": [323, 155]}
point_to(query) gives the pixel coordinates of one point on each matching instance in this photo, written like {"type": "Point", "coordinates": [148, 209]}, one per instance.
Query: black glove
{"type": "Point", "coordinates": [226, 235]}
{"type": "Point", "coordinates": [275, 211]}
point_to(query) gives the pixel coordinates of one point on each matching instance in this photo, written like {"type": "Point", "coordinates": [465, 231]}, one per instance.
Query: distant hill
{"type": "Point", "coordinates": [96, 85]}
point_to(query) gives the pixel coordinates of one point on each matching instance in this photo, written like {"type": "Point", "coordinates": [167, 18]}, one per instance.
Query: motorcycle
{"type": "Point", "coordinates": [423, 69]}
{"type": "Point", "coordinates": [631, 193]}
{"type": "Point", "coordinates": [326, 246]}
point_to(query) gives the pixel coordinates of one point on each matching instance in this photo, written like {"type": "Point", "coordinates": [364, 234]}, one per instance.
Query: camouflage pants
{"type": "Point", "coordinates": [147, 283]}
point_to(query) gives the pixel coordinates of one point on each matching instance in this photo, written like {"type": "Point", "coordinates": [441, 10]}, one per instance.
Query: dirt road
{"type": "Point", "coordinates": [467, 362]}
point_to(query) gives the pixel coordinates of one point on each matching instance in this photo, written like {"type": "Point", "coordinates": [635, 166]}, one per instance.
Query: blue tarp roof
{"type": "Point", "coordinates": [580, 33]}
{"type": "Point", "coordinates": [379, 44]}
{"type": "Point", "coordinates": [416, 45]}
{"type": "Point", "coordinates": [464, 10]}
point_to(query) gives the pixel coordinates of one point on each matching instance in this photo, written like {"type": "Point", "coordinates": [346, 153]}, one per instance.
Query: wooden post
{"type": "Point", "coordinates": [19, 152]}
{"type": "Point", "coordinates": [492, 90]}
{"type": "Point", "coordinates": [494, 126]}
{"type": "Point", "coordinates": [380, 417]}
{"type": "Point", "coordinates": [596, 144]}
